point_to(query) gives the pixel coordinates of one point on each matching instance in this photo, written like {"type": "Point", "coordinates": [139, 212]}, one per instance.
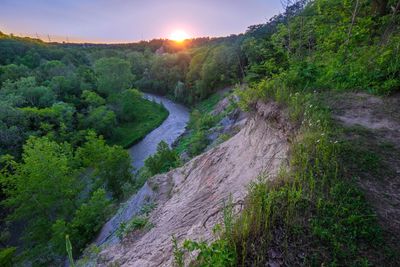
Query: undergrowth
{"type": "Point", "coordinates": [200, 122]}
{"type": "Point", "coordinates": [140, 221]}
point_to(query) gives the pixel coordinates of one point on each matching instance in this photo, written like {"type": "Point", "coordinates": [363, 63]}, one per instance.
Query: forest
{"type": "Point", "coordinates": [67, 111]}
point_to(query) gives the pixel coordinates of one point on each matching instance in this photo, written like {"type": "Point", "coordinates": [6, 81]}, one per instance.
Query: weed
{"type": "Point", "coordinates": [138, 222]}
{"type": "Point", "coordinates": [147, 208]}
{"type": "Point", "coordinates": [69, 251]}
{"type": "Point", "coordinates": [178, 253]}
{"type": "Point", "coordinates": [218, 253]}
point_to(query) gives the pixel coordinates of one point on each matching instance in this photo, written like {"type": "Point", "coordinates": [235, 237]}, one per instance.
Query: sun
{"type": "Point", "coordinates": [178, 35]}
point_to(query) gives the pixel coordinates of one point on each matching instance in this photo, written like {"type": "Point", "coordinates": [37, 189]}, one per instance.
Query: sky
{"type": "Point", "coordinates": [116, 21]}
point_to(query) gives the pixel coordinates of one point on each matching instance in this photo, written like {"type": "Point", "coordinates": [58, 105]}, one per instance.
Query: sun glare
{"type": "Point", "coordinates": [178, 36]}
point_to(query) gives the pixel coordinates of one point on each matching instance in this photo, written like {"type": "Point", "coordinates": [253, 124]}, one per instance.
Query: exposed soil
{"type": "Point", "coordinates": [381, 115]}
{"type": "Point", "coordinates": [190, 199]}
{"type": "Point", "coordinates": [374, 123]}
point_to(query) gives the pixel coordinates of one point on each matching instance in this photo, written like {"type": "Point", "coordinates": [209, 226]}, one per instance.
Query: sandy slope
{"type": "Point", "coordinates": [190, 198]}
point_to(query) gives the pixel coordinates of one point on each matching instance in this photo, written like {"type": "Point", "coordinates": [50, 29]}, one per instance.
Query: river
{"type": "Point", "coordinates": [168, 131]}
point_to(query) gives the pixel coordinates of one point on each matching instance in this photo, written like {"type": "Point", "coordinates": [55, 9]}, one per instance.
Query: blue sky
{"type": "Point", "coordinates": [131, 20]}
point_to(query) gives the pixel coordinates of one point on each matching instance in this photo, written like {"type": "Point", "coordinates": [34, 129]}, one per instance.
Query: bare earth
{"type": "Point", "coordinates": [190, 198]}
{"type": "Point", "coordinates": [381, 118]}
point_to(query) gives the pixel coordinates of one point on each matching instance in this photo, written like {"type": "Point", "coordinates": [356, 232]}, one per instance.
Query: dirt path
{"type": "Point", "coordinates": [374, 123]}
{"type": "Point", "coordinates": [190, 198]}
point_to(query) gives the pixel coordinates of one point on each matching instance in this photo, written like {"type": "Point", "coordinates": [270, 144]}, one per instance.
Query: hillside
{"type": "Point", "coordinates": [189, 200]}
{"type": "Point", "coordinates": [212, 188]}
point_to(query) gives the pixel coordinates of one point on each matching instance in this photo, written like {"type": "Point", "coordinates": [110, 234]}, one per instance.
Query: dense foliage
{"type": "Point", "coordinates": [63, 105]}
{"type": "Point", "coordinates": [191, 75]}
{"type": "Point", "coordinates": [58, 174]}
{"type": "Point", "coordinates": [56, 190]}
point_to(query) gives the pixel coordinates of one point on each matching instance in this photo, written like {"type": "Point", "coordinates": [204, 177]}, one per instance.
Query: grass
{"type": "Point", "coordinates": [150, 115]}
{"type": "Point", "coordinates": [313, 213]}
{"type": "Point", "coordinates": [207, 105]}
{"type": "Point", "coordinates": [200, 121]}
{"type": "Point", "coordinates": [138, 222]}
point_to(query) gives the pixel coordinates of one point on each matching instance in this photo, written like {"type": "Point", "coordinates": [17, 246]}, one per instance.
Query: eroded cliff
{"type": "Point", "coordinates": [189, 200]}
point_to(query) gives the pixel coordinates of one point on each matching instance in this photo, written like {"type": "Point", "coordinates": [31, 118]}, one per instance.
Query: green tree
{"type": "Point", "coordinates": [113, 74]}
{"type": "Point", "coordinates": [53, 68]}
{"type": "Point", "coordinates": [92, 99]}
{"type": "Point", "coordinates": [40, 190]}
{"type": "Point", "coordinates": [139, 63]}
{"type": "Point", "coordinates": [12, 72]}
{"type": "Point", "coordinates": [13, 125]}
{"type": "Point", "coordinates": [7, 256]}
{"type": "Point", "coordinates": [65, 87]}
{"type": "Point", "coordinates": [29, 92]}
{"type": "Point", "coordinates": [127, 105]}
{"type": "Point", "coordinates": [220, 69]}
{"type": "Point", "coordinates": [198, 143]}
{"type": "Point", "coordinates": [31, 59]}
{"type": "Point", "coordinates": [111, 165]}
{"type": "Point", "coordinates": [101, 119]}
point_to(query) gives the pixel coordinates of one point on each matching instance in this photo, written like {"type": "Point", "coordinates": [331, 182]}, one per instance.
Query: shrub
{"type": "Point", "coordinates": [164, 160]}
{"type": "Point", "coordinates": [198, 143]}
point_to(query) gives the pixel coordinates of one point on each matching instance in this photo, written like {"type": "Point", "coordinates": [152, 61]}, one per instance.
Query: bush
{"type": "Point", "coordinates": [198, 143]}
{"type": "Point", "coordinates": [164, 160]}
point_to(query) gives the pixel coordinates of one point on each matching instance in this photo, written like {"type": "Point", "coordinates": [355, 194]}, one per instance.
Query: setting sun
{"type": "Point", "coordinates": [179, 36]}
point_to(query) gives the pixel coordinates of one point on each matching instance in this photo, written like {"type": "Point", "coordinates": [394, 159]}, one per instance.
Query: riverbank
{"type": "Point", "coordinates": [150, 115]}
{"type": "Point", "coordinates": [171, 128]}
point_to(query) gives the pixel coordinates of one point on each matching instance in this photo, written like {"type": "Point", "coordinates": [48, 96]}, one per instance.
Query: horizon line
{"type": "Point", "coordinates": [48, 38]}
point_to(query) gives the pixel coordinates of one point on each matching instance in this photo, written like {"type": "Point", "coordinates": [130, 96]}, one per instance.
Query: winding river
{"type": "Point", "coordinates": [168, 131]}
